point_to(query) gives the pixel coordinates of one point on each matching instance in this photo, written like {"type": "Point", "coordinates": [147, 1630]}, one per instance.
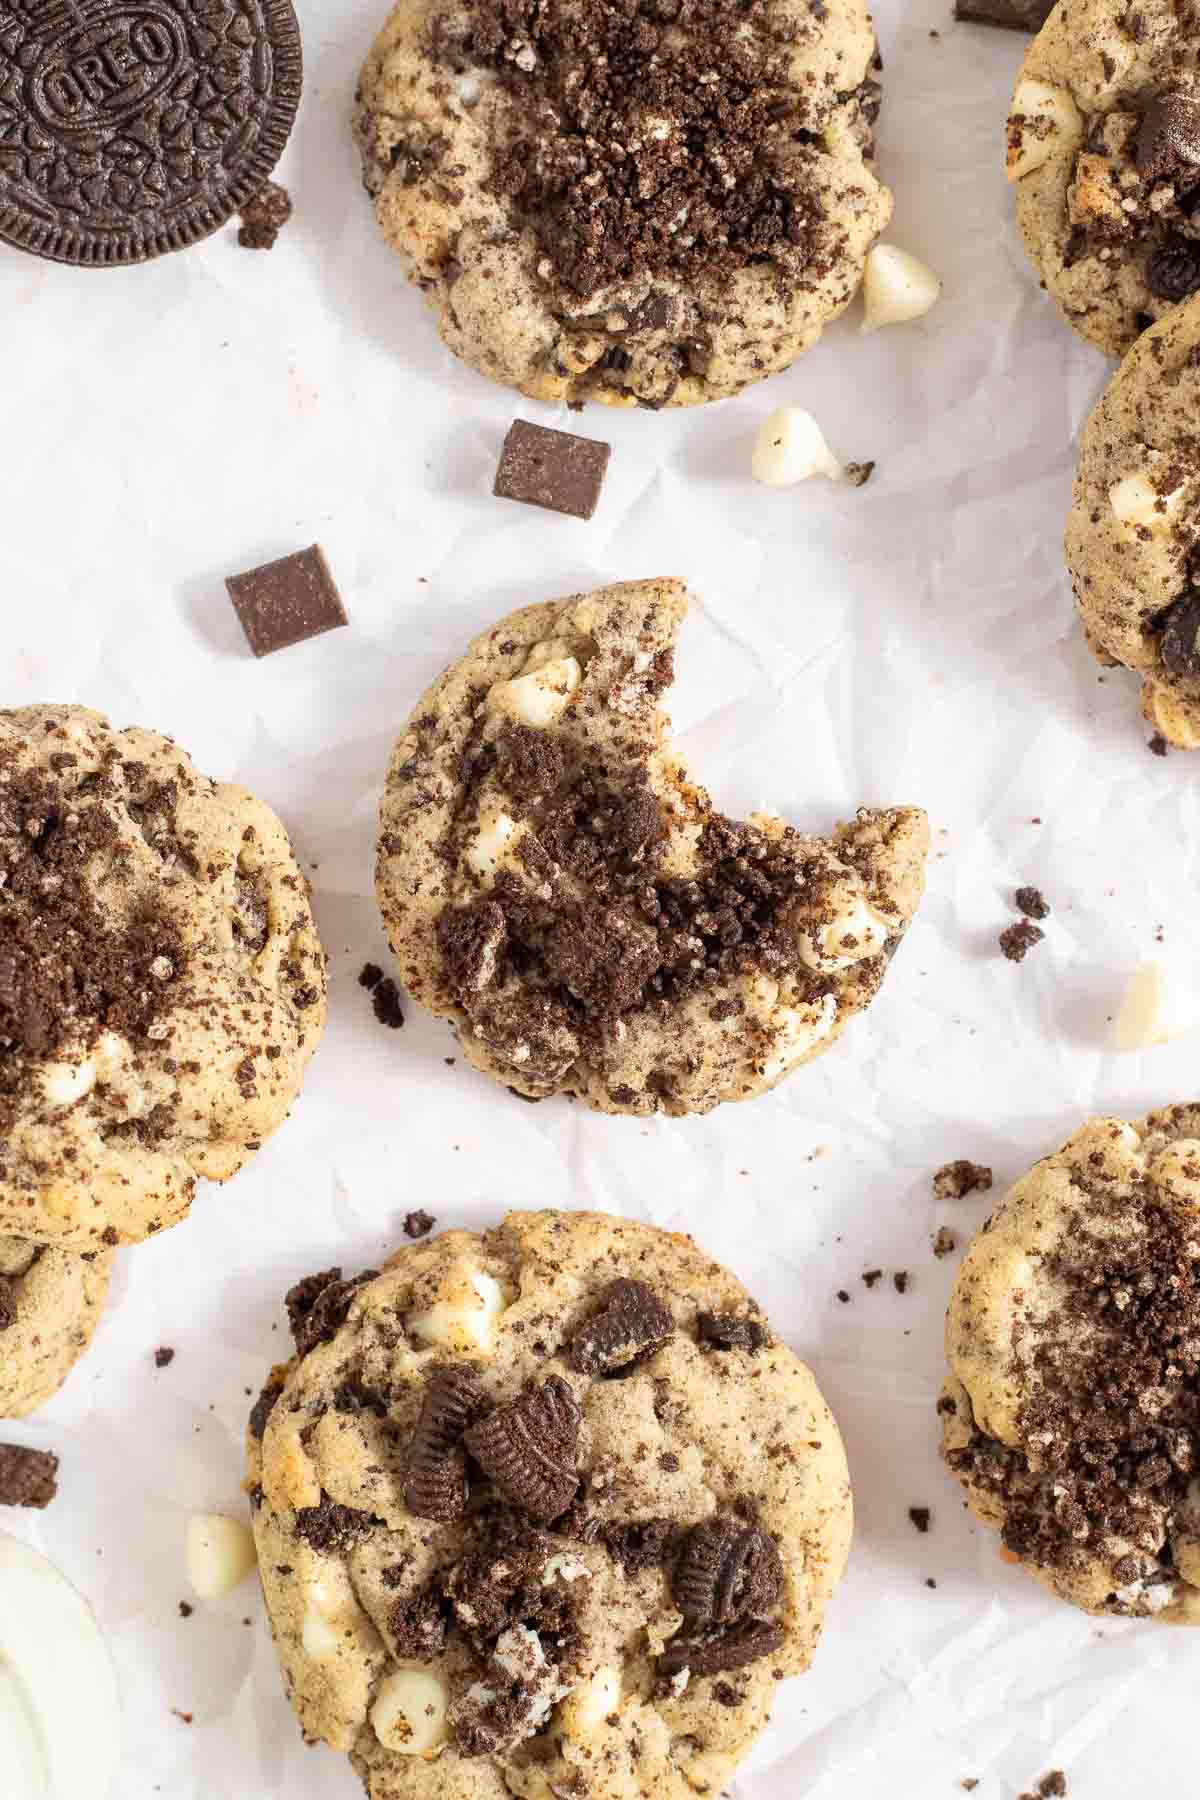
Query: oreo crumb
{"type": "Point", "coordinates": [264, 217]}
{"type": "Point", "coordinates": [27, 1477]}
{"type": "Point", "coordinates": [859, 473]}
{"type": "Point", "coordinates": [418, 1224]}
{"type": "Point", "coordinates": [954, 1180]}
{"type": "Point", "coordinates": [930, 1582]}
{"type": "Point", "coordinates": [385, 1001]}
{"type": "Point", "coordinates": [164, 1356]}
{"type": "Point", "coordinates": [920, 1516]}
{"type": "Point", "coordinates": [1018, 940]}
{"type": "Point", "coordinates": [1032, 902]}
{"type": "Point", "coordinates": [969, 1783]}
{"type": "Point", "coordinates": [900, 1281]}
{"type": "Point", "coordinates": [1157, 745]}
{"type": "Point", "coordinates": [944, 1241]}
{"type": "Point", "coordinates": [370, 976]}
{"type": "Point", "coordinates": [843, 1296]}
{"type": "Point", "coordinates": [185, 1611]}
{"type": "Point", "coordinates": [871, 1276]}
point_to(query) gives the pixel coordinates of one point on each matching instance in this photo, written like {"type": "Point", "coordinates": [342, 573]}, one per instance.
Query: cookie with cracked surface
{"type": "Point", "coordinates": [523, 1519]}
{"type": "Point", "coordinates": [1104, 148]}
{"type": "Point", "coordinates": [1133, 533]}
{"type": "Point", "coordinates": [50, 1304]}
{"type": "Point", "coordinates": [553, 880]}
{"type": "Point", "coordinates": [1073, 1339]}
{"type": "Point", "coordinates": [161, 982]}
{"type": "Point", "coordinates": [653, 205]}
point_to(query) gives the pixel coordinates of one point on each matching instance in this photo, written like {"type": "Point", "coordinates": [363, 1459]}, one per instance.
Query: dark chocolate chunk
{"type": "Point", "coordinates": [727, 1571]}
{"type": "Point", "coordinates": [163, 1356]}
{"type": "Point", "coordinates": [632, 1325]}
{"type": "Point", "coordinates": [1180, 648]}
{"type": "Point", "coordinates": [131, 130]}
{"type": "Point", "coordinates": [27, 1477]}
{"type": "Point", "coordinates": [528, 1448]}
{"type": "Point", "coordinates": [435, 1485]}
{"type": "Point", "coordinates": [1173, 270]}
{"type": "Point", "coordinates": [418, 1224]}
{"type": "Point", "coordinates": [1014, 15]}
{"type": "Point", "coordinates": [287, 601]}
{"type": "Point", "coordinates": [264, 217]}
{"type": "Point", "coordinates": [728, 1331]}
{"type": "Point", "coordinates": [329, 1527]}
{"type": "Point", "coordinates": [552, 469]}
{"type": "Point", "coordinates": [1017, 940]}
{"type": "Point", "coordinates": [954, 1180]}
{"type": "Point", "coordinates": [317, 1306]}
{"type": "Point", "coordinates": [716, 1652]}
{"type": "Point", "coordinates": [1169, 135]}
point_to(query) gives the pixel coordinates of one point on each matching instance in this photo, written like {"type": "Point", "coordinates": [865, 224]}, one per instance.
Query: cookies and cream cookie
{"type": "Point", "coordinates": [554, 881]}
{"type": "Point", "coordinates": [1104, 148]}
{"type": "Point", "coordinates": [161, 982]}
{"type": "Point", "coordinates": [1134, 525]}
{"type": "Point", "coordinates": [542, 1512]}
{"type": "Point", "coordinates": [649, 205]}
{"type": "Point", "coordinates": [50, 1304]}
{"type": "Point", "coordinates": [1073, 1338]}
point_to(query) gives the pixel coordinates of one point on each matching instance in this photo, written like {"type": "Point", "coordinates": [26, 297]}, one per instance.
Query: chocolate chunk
{"type": "Point", "coordinates": [163, 1357]}
{"type": "Point", "coordinates": [263, 1407]}
{"type": "Point", "coordinates": [329, 1527]}
{"type": "Point", "coordinates": [632, 1325]}
{"type": "Point", "coordinates": [552, 469]}
{"type": "Point", "coordinates": [727, 1571]}
{"type": "Point", "coordinates": [317, 1306]}
{"type": "Point", "coordinates": [1173, 270]}
{"type": "Point", "coordinates": [137, 129]}
{"type": "Point", "coordinates": [920, 1516]}
{"type": "Point", "coordinates": [435, 1485]}
{"type": "Point", "coordinates": [715, 1653]}
{"type": "Point", "coordinates": [418, 1224]}
{"type": "Point", "coordinates": [728, 1331]}
{"type": "Point", "coordinates": [1017, 940]}
{"type": "Point", "coordinates": [1032, 902]}
{"type": "Point", "coordinates": [954, 1180]}
{"type": "Point", "coordinates": [287, 601]}
{"type": "Point", "coordinates": [1169, 135]}
{"type": "Point", "coordinates": [27, 1477]}
{"type": "Point", "coordinates": [1014, 15]}
{"type": "Point", "coordinates": [264, 217]}
{"type": "Point", "coordinates": [528, 1448]}
{"type": "Point", "coordinates": [1180, 649]}
{"type": "Point", "coordinates": [385, 1004]}
{"type": "Point", "coordinates": [648, 1544]}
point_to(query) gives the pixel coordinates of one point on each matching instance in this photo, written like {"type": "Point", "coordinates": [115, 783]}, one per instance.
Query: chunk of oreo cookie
{"type": "Point", "coordinates": [632, 1324]}
{"type": "Point", "coordinates": [528, 1449]}
{"type": "Point", "coordinates": [435, 1484]}
{"type": "Point", "coordinates": [727, 1571]}
{"type": "Point", "coordinates": [131, 129]}
{"type": "Point", "coordinates": [730, 1331]}
{"type": "Point", "coordinates": [717, 1651]}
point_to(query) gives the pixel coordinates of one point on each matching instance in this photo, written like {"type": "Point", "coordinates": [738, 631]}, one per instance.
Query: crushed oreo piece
{"type": "Point", "coordinates": [1180, 645]}
{"type": "Point", "coordinates": [944, 1241]}
{"type": "Point", "coordinates": [857, 474]}
{"type": "Point", "coordinates": [1018, 940]}
{"type": "Point", "coordinates": [418, 1625]}
{"type": "Point", "coordinates": [317, 1306]}
{"type": "Point", "coordinates": [1173, 270]}
{"type": "Point", "coordinates": [329, 1526]}
{"type": "Point", "coordinates": [27, 1477]}
{"type": "Point", "coordinates": [920, 1516]}
{"type": "Point", "coordinates": [870, 1277]}
{"type": "Point", "coordinates": [520, 1687]}
{"type": "Point", "coordinates": [385, 1003]}
{"type": "Point", "coordinates": [648, 1544]}
{"type": "Point", "coordinates": [185, 1609]}
{"type": "Point", "coordinates": [263, 1407]}
{"type": "Point", "coordinates": [418, 1224]}
{"type": "Point", "coordinates": [370, 976]}
{"type": "Point", "coordinates": [1032, 902]}
{"type": "Point", "coordinates": [900, 1281]}
{"type": "Point", "coordinates": [1012, 15]}
{"type": "Point", "coordinates": [727, 1571]}
{"type": "Point", "coordinates": [730, 1331]}
{"type": "Point", "coordinates": [632, 1326]}
{"type": "Point", "coordinates": [1157, 745]}
{"type": "Point", "coordinates": [435, 1484]}
{"type": "Point", "coordinates": [287, 601]}
{"type": "Point", "coordinates": [552, 469]}
{"type": "Point", "coordinates": [1169, 135]}
{"type": "Point", "coordinates": [528, 1448]}
{"type": "Point", "coordinates": [264, 217]}
{"type": "Point", "coordinates": [717, 1652]}
{"type": "Point", "coordinates": [164, 1356]}
{"type": "Point", "coordinates": [954, 1180]}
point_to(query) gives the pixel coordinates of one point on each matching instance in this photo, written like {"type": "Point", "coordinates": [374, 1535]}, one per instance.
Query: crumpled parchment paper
{"type": "Point", "coordinates": [908, 641]}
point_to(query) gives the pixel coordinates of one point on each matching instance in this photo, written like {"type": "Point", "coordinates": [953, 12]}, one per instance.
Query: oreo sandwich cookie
{"type": "Point", "coordinates": [132, 127]}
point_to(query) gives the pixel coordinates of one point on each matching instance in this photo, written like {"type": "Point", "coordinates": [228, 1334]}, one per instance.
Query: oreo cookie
{"type": "Point", "coordinates": [129, 128]}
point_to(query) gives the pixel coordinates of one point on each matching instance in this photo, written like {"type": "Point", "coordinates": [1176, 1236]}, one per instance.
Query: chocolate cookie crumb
{"type": "Point", "coordinates": [1157, 745]}
{"type": "Point", "coordinates": [27, 1477]}
{"type": "Point", "coordinates": [956, 1179]}
{"type": "Point", "coordinates": [418, 1224]}
{"type": "Point", "coordinates": [859, 473]}
{"type": "Point", "coordinates": [969, 1783]}
{"type": "Point", "coordinates": [264, 217]}
{"type": "Point", "coordinates": [871, 1276]}
{"type": "Point", "coordinates": [920, 1516]}
{"type": "Point", "coordinates": [944, 1241]}
{"type": "Point", "coordinates": [370, 976]}
{"type": "Point", "coordinates": [843, 1296]}
{"type": "Point", "coordinates": [163, 1356]}
{"type": "Point", "coordinates": [1055, 1783]}
{"type": "Point", "coordinates": [385, 1003]}
{"type": "Point", "coordinates": [1032, 902]}
{"type": "Point", "coordinates": [185, 1610]}
{"type": "Point", "coordinates": [900, 1281]}
{"type": "Point", "coordinates": [1017, 940]}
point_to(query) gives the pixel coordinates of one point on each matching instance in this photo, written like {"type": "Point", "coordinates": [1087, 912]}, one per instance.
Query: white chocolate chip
{"type": "Point", "coordinates": [585, 1709]}
{"type": "Point", "coordinates": [538, 698]}
{"type": "Point", "coordinates": [1148, 1013]}
{"type": "Point", "coordinates": [790, 448]}
{"type": "Point", "coordinates": [855, 933]}
{"type": "Point", "coordinates": [493, 840]}
{"type": "Point", "coordinates": [65, 1083]}
{"type": "Point", "coordinates": [797, 1031]}
{"type": "Point", "coordinates": [1044, 122]}
{"type": "Point", "coordinates": [409, 1714]}
{"type": "Point", "coordinates": [465, 1319]}
{"type": "Point", "coordinates": [218, 1553]}
{"type": "Point", "coordinates": [1138, 503]}
{"type": "Point", "coordinates": [896, 287]}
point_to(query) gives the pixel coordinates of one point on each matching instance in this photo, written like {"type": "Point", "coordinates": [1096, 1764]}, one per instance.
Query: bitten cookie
{"type": "Point", "coordinates": [1132, 531]}
{"type": "Point", "coordinates": [1104, 146]}
{"type": "Point", "coordinates": [50, 1304]}
{"type": "Point", "coordinates": [553, 880]}
{"type": "Point", "coordinates": [161, 982]}
{"type": "Point", "coordinates": [647, 205]}
{"type": "Point", "coordinates": [548, 1511]}
{"type": "Point", "coordinates": [1073, 1338]}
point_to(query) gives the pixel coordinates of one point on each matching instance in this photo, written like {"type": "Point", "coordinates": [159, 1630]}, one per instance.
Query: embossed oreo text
{"type": "Point", "coordinates": [98, 73]}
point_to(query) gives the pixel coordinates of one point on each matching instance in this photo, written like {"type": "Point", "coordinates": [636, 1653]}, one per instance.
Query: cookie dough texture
{"type": "Point", "coordinates": [50, 1304]}
{"type": "Point", "coordinates": [554, 881]}
{"type": "Point", "coordinates": [643, 206]}
{"type": "Point", "coordinates": [492, 1654]}
{"type": "Point", "coordinates": [1073, 1339]}
{"type": "Point", "coordinates": [1111, 231]}
{"type": "Point", "coordinates": [1132, 530]}
{"type": "Point", "coordinates": [161, 982]}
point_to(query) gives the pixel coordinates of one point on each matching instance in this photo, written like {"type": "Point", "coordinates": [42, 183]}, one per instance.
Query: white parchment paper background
{"type": "Point", "coordinates": [911, 641]}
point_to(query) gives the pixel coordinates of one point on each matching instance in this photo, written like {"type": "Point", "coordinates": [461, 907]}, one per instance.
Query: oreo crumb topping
{"type": "Point", "coordinates": [728, 1331]}
{"type": "Point", "coordinates": [27, 1477]}
{"type": "Point", "coordinates": [528, 1449]}
{"type": "Point", "coordinates": [328, 1526]}
{"type": "Point", "coordinates": [317, 1306]}
{"type": "Point", "coordinates": [8, 1302]}
{"type": "Point", "coordinates": [263, 1407]}
{"type": "Point", "coordinates": [944, 1241]}
{"type": "Point", "coordinates": [728, 1571]}
{"type": "Point", "coordinates": [418, 1224]}
{"type": "Point", "coordinates": [264, 217]}
{"type": "Point", "coordinates": [629, 119]}
{"type": "Point", "coordinates": [385, 1003]}
{"type": "Point", "coordinates": [717, 1652]}
{"type": "Point", "coordinates": [631, 1327]}
{"type": "Point", "coordinates": [920, 1516]}
{"type": "Point", "coordinates": [418, 1626]}
{"type": "Point", "coordinates": [1157, 745]}
{"type": "Point", "coordinates": [650, 1544]}
{"type": "Point", "coordinates": [1018, 940]}
{"type": "Point", "coordinates": [1032, 902]}
{"type": "Point", "coordinates": [1180, 643]}
{"type": "Point", "coordinates": [900, 1281]}
{"type": "Point", "coordinates": [436, 1478]}
{"type": "Point", "coordinates": [164, 1357]}
{"type": "Point", "coordinates": [955, 1180]}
